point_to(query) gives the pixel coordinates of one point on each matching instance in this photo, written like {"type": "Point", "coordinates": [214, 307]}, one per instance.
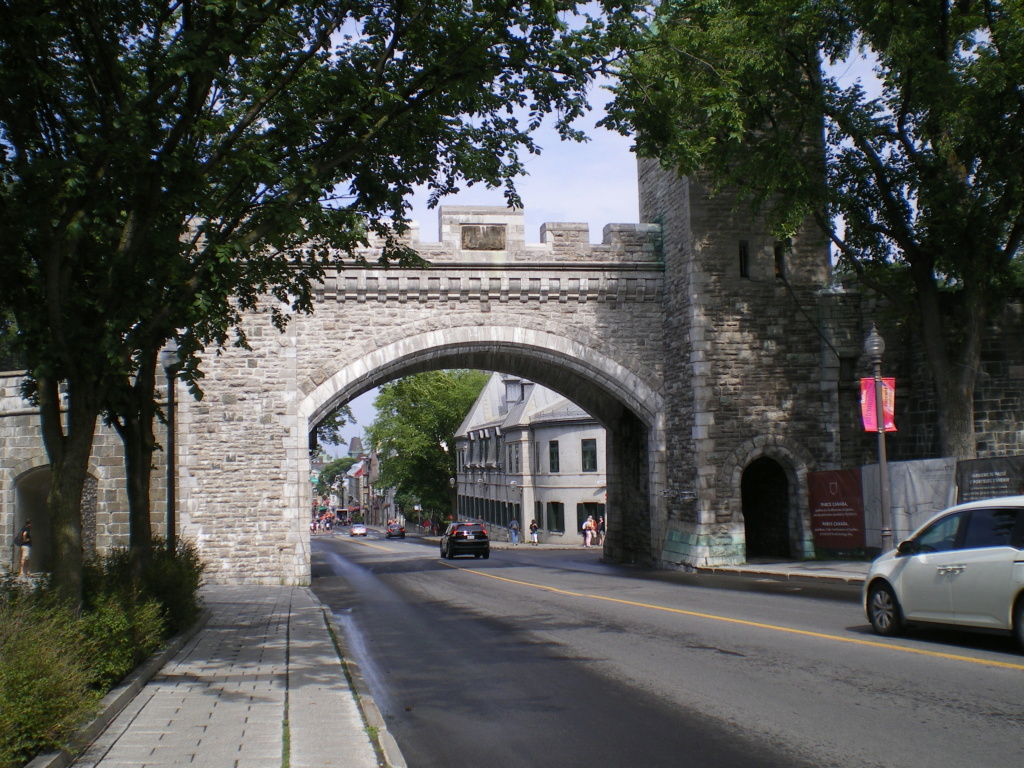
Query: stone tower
{"type": "Point", "coordinates": [750, 378]}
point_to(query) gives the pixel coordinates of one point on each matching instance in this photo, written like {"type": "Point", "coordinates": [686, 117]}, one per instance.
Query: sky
{"type": "Point", "coordinates": [593, 182]}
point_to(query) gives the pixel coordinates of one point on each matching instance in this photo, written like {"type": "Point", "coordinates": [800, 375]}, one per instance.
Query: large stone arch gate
{"type": "Point", "coordinates": [584, 320]}
{"type": "Point", "coordinates": [625, 404]}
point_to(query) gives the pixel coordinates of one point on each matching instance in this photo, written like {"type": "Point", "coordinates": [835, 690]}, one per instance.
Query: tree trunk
{"type": "Point", "coordinates": [953, 355]}
{"type": "Point", "coordinates": [956, 422]}
{"type": "Point", "coordinates": [69, 453]}
{"type": "Point", "coordinates": [134, 424]}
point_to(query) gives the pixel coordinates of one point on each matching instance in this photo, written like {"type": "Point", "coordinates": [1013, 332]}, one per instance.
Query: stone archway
{"type": "Point", "coordinates": [585, 321]}
{"type": "Point", "coordinates": [621, 399]}
{"type": "Point", "coordinates": [764, 491]}
{"type": "Point", "coordinates": [768, 454]}
{"type": "Point", "coordinates": [31, 489]}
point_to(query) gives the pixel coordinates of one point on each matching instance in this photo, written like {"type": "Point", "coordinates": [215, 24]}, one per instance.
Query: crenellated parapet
{"type": "Point", "coordinates": [494, 235]}
{"type": "Point", "coordinates": [483, 258]}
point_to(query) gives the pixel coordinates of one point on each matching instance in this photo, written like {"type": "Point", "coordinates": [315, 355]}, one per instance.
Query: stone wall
{"type": "Point", "coordinates": [764, 360]}
{"type": "Point", "coordinates": [584, 320]}
{"type": "Point", "coordinates": [998, 396]}
{"type": "Point", "coordinates": [750, 369]}
{"type": "Point", "coordinates": [105, 498]}
{"type": "Point", "coordinates": [999, 401]}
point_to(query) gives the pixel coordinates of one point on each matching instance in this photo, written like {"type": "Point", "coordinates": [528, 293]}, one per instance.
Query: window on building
{"type": "Point", "coordinates": [744, 258]}
{"type": "Point", "coordinates": [780, 260]}
{"type": "Point", "coordinates": [556, 516]}
{"type": "Point", "coordinates": [538, 512]}
{"type": "Point", "coordinates": [848, 372]}
{"type": "Point", "coordinates": [553, 456]}
{"type": "Point", "coordinates": [536, 457]}
{"type": "Point", "coordinates": [585, 510]}
{"type": "Point", "coordinates": [588, 453]}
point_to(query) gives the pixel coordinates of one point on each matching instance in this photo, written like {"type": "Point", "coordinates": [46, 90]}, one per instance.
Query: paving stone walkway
{"type": "Point", "coordinates": [259, 686]}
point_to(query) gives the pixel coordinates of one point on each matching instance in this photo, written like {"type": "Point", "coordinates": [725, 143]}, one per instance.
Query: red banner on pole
{"type": "Point", "coordinates": [868, 411]}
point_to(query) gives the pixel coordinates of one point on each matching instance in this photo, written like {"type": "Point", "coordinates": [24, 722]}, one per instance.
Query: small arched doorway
{"type": "Point", "coordinates": [764, 490]}
{"type": "Point", "coordinates": [30, 492]}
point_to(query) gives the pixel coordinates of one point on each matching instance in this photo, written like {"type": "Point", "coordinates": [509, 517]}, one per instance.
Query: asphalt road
{"type": "Point", "coordinates": [535, 658]}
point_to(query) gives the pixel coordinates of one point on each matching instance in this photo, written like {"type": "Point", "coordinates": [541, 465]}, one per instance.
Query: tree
{"type": "Point", "coordinates": [9, 358]}
{"type": "Point", "coordinates": [414, 433]}
{"type": "Point", "coordinates": [331, 472]}
{"type": "Point", "coordinates": [329, 430]}
{"type": "Point", "coordinates": [918, 188]}
{"type": "Point", "coordinates": [168, 166]}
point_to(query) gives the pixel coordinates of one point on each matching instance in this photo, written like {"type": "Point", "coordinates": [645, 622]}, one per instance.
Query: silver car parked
{"type": "Point", "coordinates": [964, 567]}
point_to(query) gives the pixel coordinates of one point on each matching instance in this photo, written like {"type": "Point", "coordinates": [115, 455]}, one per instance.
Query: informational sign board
{"type": "Point", "coordinates": [868, 411]}
{"type": "Point", "coordinates": [978, 479]}
{"type": "Point", "coordinates": [837, 509]}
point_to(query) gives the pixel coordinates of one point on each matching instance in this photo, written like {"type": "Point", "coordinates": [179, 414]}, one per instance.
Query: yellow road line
{"type": "Point", "coordinates": [744, 622]}
{"type": "Point", "coordinates": [367, 544]}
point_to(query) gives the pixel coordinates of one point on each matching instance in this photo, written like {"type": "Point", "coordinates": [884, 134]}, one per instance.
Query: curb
{"type": "Point", "coordinates": [392, 753]}
{"type": "Point", "coordinates": [118, 698]}
{"type": "Point", "coordinates": [854, 580]}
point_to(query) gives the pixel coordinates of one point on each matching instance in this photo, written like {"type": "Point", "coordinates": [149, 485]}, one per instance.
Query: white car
{"type": "Point", "coordinates": [964, 567]}
{"type": "Point", "coordinates": [357, 529]}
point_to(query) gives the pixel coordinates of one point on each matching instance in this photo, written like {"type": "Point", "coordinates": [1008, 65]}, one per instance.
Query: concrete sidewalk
{"type": "Point", "coordinates": [259, 685]}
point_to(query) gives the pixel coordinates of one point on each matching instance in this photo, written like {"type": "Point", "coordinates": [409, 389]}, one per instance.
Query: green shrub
{"type": "Point", "coordinates": [172, 580]}
{"type": "Point", "coordinates": [119, 636]}
{"type": "Point", "coordinates": [55, 666]}
{"type": "Point", "coordinates": [45, 678]}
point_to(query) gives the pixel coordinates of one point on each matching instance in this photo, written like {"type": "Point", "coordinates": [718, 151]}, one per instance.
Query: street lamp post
{"type": "Point", "coordinates": [169, 361]}
{"type": "Point", "coordinates": [874, 346]}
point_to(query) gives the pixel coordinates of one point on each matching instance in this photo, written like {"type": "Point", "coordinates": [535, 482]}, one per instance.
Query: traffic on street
{"type": "Point", "coordinates": [550, 657]}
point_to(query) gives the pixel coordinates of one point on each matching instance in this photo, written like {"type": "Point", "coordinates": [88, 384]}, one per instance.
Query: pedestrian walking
{"type": "Point", "coordinates": [533, 531]}
{"type": "Point", "coordinates": [24, 541]}
{"type": "Point", "coordinates": [513, 531]}
{"type": "Point", "coordinates": [600, 532]}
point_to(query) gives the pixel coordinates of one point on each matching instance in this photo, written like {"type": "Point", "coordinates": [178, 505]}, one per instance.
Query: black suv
{"type": "Point", "coordinates": [465, 539]}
